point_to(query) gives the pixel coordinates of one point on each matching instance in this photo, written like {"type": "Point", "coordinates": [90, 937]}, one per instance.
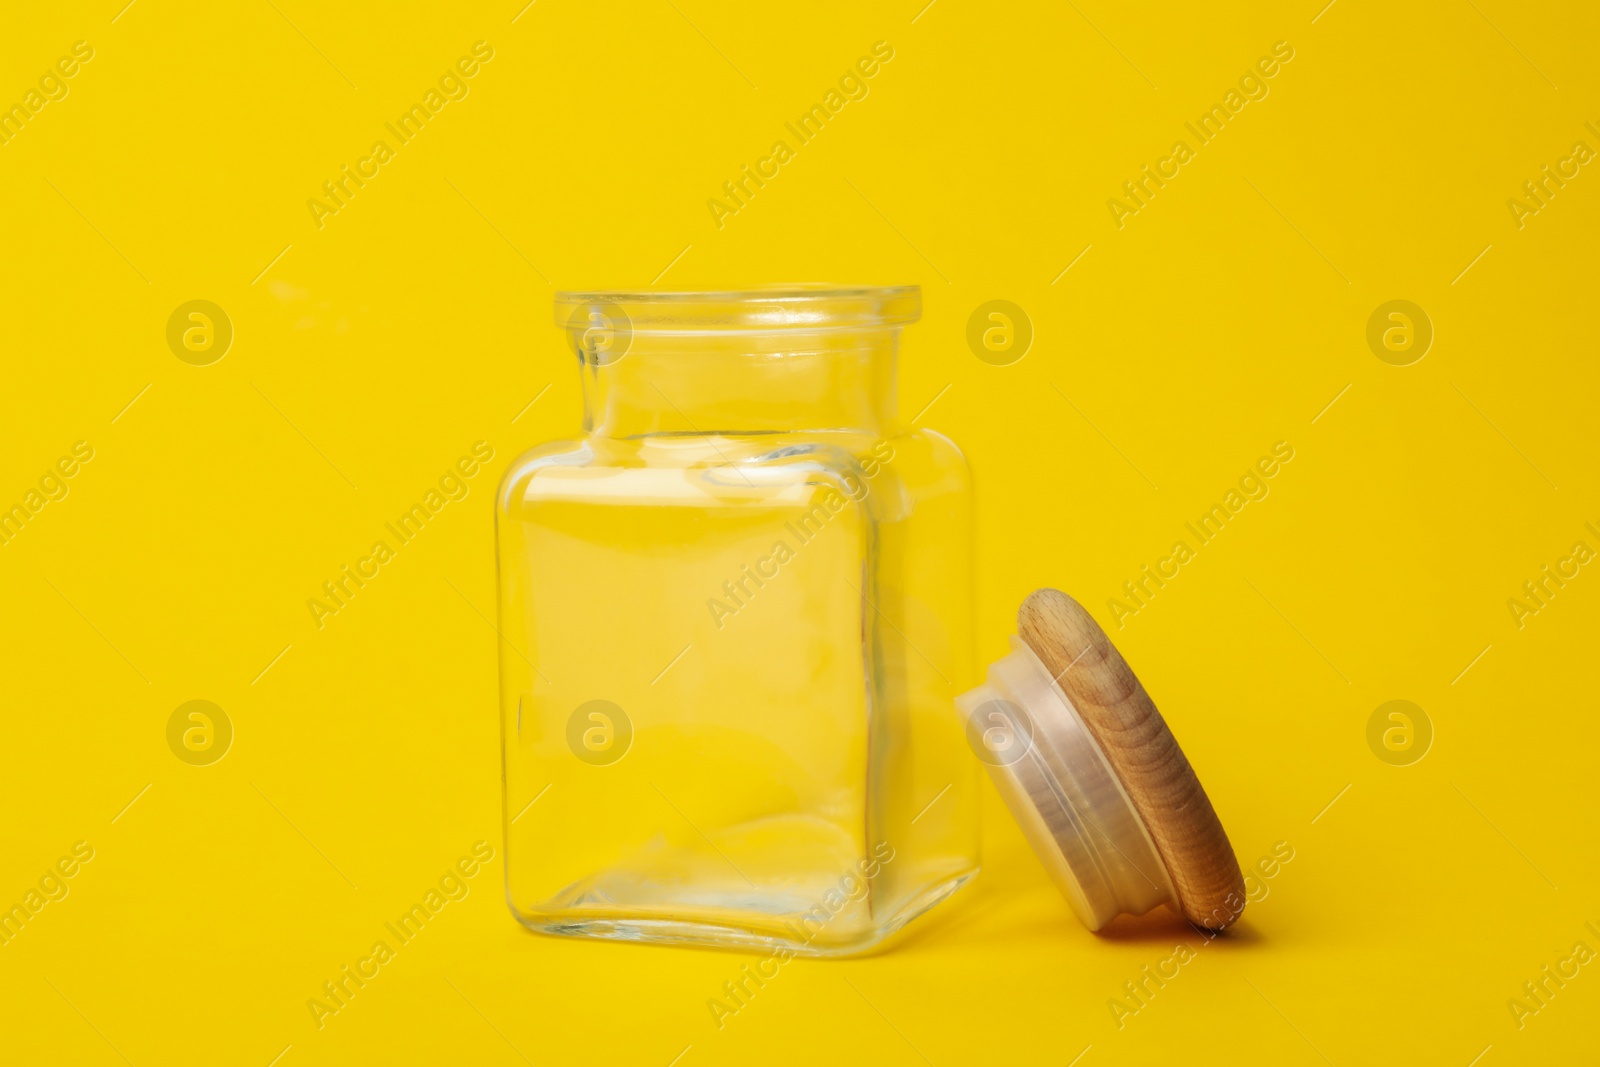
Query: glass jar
{"type": "Point", "coordinates": [735, 614]}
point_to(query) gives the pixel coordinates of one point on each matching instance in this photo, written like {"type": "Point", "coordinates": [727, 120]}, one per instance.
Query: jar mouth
{"type": "Point", "coordinates": [762, 309]}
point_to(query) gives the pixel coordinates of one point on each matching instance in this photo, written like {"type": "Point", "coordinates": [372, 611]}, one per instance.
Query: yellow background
{"type": "Point", "coordinates": [1223, 317]}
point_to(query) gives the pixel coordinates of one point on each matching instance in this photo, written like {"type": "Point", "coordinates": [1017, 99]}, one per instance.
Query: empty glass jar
{"type": "Point", "coordinates": [735, 613]}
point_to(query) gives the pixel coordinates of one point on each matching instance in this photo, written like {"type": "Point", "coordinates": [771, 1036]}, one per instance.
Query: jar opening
{"type": "Point", "coordinates": [782, 358]}
{"type": "Point", "coordinates": [813, 307]}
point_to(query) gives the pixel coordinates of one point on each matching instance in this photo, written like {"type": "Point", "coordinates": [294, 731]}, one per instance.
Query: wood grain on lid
{"type": "Point", "coordinates": [1143, 754]}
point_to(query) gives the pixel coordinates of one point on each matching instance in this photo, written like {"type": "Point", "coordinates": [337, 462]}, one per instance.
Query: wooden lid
{"type": "Point", "coordinates": [1142, 753]}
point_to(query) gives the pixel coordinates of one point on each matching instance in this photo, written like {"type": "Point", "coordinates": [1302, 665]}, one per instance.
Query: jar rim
{"type": "Point", "coordinates": [812, 306]}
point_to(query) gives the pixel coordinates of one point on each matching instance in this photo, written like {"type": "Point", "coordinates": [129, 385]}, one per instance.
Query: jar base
{"type": "Point", "coordinates": [732, 937]}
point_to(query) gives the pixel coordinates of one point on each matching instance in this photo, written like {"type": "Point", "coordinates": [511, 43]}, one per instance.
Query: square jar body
{"type": "Point", "coordinates": [727, 671]}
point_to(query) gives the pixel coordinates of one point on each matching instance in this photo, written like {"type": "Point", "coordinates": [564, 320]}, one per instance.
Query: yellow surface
{"type": "Point", "coordinates": [1225, 316]}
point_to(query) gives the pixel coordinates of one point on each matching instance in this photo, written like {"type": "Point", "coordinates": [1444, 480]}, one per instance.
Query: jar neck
{"type": "Point", "coordinates": [744, 382]}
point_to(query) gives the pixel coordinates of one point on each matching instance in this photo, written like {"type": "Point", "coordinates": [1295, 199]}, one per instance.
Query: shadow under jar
{"type": "Point", "coordinates": [735, 614]}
